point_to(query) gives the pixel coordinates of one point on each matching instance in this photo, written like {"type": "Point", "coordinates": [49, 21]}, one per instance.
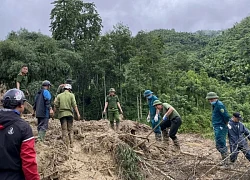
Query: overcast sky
{"type": "Point", "coordinates": [182, 15]}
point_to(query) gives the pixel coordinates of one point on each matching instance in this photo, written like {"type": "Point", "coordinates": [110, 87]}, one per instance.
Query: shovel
{"type": "Point", "coordinates": [146, 138]}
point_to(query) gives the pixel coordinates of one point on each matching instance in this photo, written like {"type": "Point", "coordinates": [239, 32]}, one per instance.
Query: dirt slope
{"type": "Point", "coordinates": [95, 143]}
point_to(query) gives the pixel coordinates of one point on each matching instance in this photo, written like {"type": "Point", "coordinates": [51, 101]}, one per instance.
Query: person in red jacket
{"type": "Point", "coordinates": [17, 152]}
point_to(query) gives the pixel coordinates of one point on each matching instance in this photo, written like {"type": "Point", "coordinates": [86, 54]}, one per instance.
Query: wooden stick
{"type": "Point", "coordinates": [135, 136]}
{"type": "Point", "coordinates": [160, 171]}
{"type": "Point", "coordinates": [148, 135]}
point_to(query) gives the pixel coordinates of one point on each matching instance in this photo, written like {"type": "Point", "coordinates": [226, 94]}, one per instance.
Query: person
{"type": "Point", "coordinates": [17, 152]}
{"type": "Point", "coordinates": [220, 119]}
{"type": "Point", "coordinates": [238, 135]}
{"type": "Point", "coordinates": [171, 120]}
{"type": "Point", "coordinates": [22, 80]}
{"type": "Point", "coordinates": [113, 103]}
{"type": "Point", "coordinates": [153, 114]}
{"type": "Point", "coordinates": [42, 109]}
{"type": "Point", "coordinates": [65, 103]}
{"type": "Point", "coordinates": [61, 89]}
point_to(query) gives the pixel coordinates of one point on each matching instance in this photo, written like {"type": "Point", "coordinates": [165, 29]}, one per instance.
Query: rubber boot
{"type": "Point", "coordinates": [225, 159]}
{"type": "Point", "coordinates": [157, 136]}
{"type": "Point", "coordinates": [176, 144]}
{"type": "Point", "coordinates": [41, 136]}
{"type": "Point", "coordinates": [65, 137]}
{"type": "Point", "coordinates": [112, 125]}
{"type": "Point", "coordinates": [165, 136]}
{"type": "Point", "coordinates": [117, 126]}
{"type": "Point", "coordinates": [71, 139]}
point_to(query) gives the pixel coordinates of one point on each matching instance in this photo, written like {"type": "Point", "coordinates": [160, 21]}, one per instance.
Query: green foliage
{"type": "Point", "coordinates": [128, 163]}
{"type": "Point", "coordinates": [75, 20]}
{"type": "Point", "coordinates": [180, 68]}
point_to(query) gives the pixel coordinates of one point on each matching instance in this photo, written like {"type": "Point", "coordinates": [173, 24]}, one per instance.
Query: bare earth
{"type": "Point", "coordinates": [93, 154]}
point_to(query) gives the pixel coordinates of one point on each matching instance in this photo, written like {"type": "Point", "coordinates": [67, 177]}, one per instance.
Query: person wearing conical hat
{"type": "Point", "coordinates": [112, 104]}
{"type": "Point", "coordinates": [220, 119]}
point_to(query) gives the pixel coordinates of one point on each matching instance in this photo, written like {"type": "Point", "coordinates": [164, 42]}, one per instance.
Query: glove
{"type": "Point", "coordinates": [148, 118]}
{"type": "Point", "coordinates": [165, 118]}
{"type": "Point", "coordinates": [156, 118]}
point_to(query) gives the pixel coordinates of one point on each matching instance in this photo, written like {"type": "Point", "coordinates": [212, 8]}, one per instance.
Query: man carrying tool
{"type": "Point", "coordinates": [171, 119]}
{"type": "Point", "coordinates": [153, 114]}
{"type": "Point", "coordinates": [22, 80]}
{"type": "Point", "coordinates": [237, 134]}
{"type": "Point", "coordinates": [220, 118]}
{"type": "Point", "coordinates": [17, 152]}
{"type": "Point", "coordinates": [42, 109]}
{"type": "Point", "coordinates": [65, 103]}
{"type": "Point", "coordinates": [113, 103]}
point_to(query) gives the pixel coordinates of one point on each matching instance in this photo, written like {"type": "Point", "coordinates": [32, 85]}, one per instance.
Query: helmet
{"type": "Point", "coordinates": [68, 81]}
{"type": "Point", "coordinates": [157, 102]}
{"type": "Point", "coordinates": [46, 83]}
{"type": "Point", "coordinates": [12, 98]}
{"type": "Point", "coordinates": [111, 90]}
{"type": "Point", "coordinates": [67, 86]}
{"type": "Point", "coordinates": [147, 92]}
{"type": "Point", "coordinates": [212, 95]}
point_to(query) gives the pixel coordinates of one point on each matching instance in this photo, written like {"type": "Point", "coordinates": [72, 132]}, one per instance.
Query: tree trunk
{"type": "Point", "coordinates": [138, 108]}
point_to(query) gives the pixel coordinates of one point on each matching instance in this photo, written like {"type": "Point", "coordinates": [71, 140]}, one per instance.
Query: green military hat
{"type": "Point", "coordinates": [212, 95]}
{"type": "Point", "coordinates": [157, 102]}
{"type": "Point", "coordinates": [112, 90]}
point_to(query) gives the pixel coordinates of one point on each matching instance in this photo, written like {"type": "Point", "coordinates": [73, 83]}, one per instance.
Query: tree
{"type": "Point", "coordinates": [74, 20]}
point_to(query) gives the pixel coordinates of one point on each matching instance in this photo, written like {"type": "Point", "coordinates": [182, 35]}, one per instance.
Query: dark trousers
{"type": "Point", "coordinates": [235, 151]}
{"type": "Point", "coordinates": [173, 124]}
{"type": "Point", "coordinates": [220, 138]}
{"type": "Point", "coordinates": [67, 123]}
{"type": "Point", "coordinates": [43, 124]}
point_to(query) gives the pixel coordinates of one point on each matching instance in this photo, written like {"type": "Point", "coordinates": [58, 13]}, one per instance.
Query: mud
{"type": "Point", "coordinates": [92, 156]}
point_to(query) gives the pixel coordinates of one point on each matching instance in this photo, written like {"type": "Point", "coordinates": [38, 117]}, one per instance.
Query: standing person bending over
{"type": "Point", "coordinates": [220, 120]}
{"type": "Point", "coordinates": [42, 109]}
{"type": "Point", "coordinates": [171, 119]}
{"type": "Point", "coordinates": [65, 102]}
{"type": "Point", "coordinates": [22, 80]}
{"type": "Point", "coordinates": [17, 152]}
{"type": "Point", "coordinates": [153, 114]}
{"type": "Point", "coordinates": [238, 135]}
{"type": "Point", "coordinates": [112, 103]}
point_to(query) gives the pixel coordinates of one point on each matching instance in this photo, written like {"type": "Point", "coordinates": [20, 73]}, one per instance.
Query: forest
{"type": "Point", "coordinates": [179, 67]}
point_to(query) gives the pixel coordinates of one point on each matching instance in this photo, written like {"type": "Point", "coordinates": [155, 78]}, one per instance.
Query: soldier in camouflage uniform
{"type": "Point", "coordinates": [112, 103]}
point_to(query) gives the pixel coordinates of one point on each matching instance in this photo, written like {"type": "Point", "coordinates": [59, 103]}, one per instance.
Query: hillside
{"type": "Point", "coordinates": [227, 56]}
{"type": "Point", "coordinates": [96, 155]}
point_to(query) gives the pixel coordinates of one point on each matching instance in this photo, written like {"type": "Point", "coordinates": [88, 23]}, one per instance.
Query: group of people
{"type": "Point", "coordinates": [17, 153]}
{"type": "Point", "coordinates": [225, 126]}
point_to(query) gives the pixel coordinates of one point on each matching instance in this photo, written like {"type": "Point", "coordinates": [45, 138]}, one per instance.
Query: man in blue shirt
{"type": "Point", "coordinates": [220, 120]}
{"type": "Point", "coordinates": [238, 135]}
{"type": "Point", "coordinates": [153, 114]}
{"type": "Point", "coordinates": [42, 109]}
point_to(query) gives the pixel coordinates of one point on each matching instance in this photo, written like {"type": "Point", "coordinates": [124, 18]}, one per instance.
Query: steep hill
{"type": "Point", "coordinates": [227, 56]}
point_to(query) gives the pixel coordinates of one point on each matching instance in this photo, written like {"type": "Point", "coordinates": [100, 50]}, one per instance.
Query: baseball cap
{"type": "Point", "coordinates": [237, 115]}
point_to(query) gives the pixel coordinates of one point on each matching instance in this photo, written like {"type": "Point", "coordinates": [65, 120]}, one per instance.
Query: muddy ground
{"type": "Point", "coordinates": [92, 156]}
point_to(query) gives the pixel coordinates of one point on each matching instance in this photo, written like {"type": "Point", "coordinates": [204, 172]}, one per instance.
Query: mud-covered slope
{"type": "Point", "coordinates": [94, 155]}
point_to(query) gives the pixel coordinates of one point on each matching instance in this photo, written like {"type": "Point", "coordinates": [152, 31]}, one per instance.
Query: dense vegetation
{"type": "Point", "coordinates": [179, 67]}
